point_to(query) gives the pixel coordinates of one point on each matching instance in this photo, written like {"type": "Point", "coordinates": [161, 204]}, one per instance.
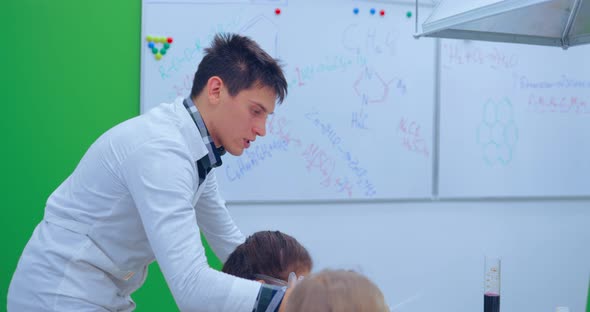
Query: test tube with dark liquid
{"type": "Point", "coordinates": [491, 295]}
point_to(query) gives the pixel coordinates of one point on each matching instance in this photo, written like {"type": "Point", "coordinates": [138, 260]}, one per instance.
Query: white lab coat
{"type": "Point", "coordinates": [133, 198]}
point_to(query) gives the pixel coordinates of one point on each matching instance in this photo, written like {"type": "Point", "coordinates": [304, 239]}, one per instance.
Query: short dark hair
{"type": "Point", "coordinates": [240, 63]}
{"type": "Point", "coordinates": [271, 253]}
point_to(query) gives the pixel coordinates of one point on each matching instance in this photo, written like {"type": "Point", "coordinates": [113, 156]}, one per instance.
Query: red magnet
{"type": "Point", "coordinates": [169, 39]}
{"type": "Point", "coordinates": [382, 12]}
{"type": "Point", "coordinates": [277, 11]}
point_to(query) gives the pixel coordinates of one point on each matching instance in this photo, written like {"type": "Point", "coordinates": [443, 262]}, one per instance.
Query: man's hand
{"type": "Point", "coordinates": [291, 283]}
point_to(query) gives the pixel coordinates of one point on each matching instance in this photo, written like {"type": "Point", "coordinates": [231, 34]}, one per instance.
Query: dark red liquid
{"type": "Point", "coordinates": [491, 302]}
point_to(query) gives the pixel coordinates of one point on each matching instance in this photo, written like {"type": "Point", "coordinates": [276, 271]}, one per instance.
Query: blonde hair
{"type": "Point", "coordinates": [337, 291]}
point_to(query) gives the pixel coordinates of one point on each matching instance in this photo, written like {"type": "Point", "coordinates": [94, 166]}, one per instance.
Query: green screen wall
{"type": "Point", "coordinates": [70, 71]}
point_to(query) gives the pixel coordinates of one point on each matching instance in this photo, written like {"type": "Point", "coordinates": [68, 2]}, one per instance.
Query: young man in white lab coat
{"type": "Point", "coordinates": [143, 191]}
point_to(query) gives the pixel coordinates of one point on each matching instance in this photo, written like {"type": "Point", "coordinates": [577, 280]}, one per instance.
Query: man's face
{"type": "Point", "coordinates": [241, 118]}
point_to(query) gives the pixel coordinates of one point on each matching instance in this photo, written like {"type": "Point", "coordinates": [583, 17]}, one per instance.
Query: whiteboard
{"type": "Point", "coordinates": [358, 120]}
{"type": "Point", "coordinates": [514, 120]}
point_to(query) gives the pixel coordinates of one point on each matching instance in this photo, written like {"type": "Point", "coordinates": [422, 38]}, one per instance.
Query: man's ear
{"type": "Point", "coordinates": [214, 86]}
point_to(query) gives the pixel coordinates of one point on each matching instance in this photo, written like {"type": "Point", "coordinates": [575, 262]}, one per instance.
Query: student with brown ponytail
{"type": "Point", "coordinates": [269, 257]}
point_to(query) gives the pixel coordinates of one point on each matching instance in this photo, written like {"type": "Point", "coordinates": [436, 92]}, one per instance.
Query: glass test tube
{"type": "Point", "coordinates": [491, 296]}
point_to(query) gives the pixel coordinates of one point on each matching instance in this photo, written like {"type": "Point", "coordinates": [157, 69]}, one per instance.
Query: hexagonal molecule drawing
{"type": "Point", "coordinates": [371, 86]}
{"type": "Point", "coordinates": [497, 133]}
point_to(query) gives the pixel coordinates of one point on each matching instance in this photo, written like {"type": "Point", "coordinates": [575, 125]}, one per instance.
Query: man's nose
{"type": "Point", "coordinates": [260, 130]}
